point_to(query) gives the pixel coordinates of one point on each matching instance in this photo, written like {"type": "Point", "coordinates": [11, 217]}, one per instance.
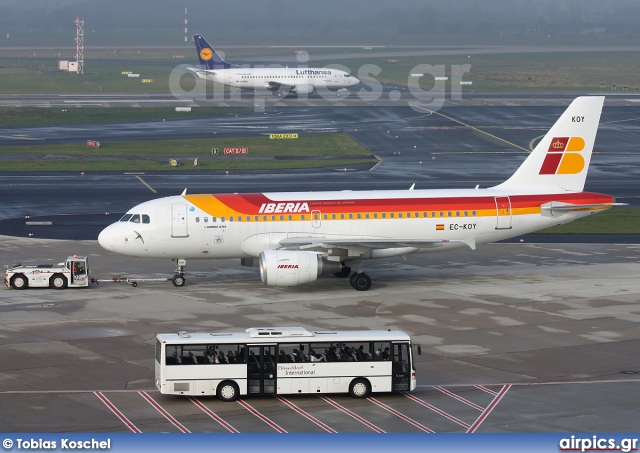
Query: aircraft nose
{"type": "Point", "coordinates": [106, 239]}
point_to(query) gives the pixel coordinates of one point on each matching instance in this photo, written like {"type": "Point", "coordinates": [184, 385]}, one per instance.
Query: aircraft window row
{"type": "Point", "coordinates": [226, 354]}
{"type": "Point", "coordinates": [136, 218]}
{"type": "Point", "coordinates": [375, 215]}
{"type": "Point", "coordinates": [286, 77]}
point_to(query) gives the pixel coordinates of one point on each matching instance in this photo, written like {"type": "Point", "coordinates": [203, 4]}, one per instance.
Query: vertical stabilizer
{"type": "Point", "coordinates": [561, 160]}
{"type": "Point", "coordinates": [209, 58]}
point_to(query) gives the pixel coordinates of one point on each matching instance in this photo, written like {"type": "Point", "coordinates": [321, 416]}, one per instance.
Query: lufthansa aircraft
{"type": "Point", "coordinates": [295, 237]}
{"type": "Point", "coordinates": [282, 81]}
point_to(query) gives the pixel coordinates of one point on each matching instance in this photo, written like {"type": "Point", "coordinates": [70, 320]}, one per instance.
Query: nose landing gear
{"type": "Point", "coordinates": [178, 278]}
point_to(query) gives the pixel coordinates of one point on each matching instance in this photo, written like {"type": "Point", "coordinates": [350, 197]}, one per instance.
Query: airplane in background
{"type": "Point", "coordinates": [282, 81]}
{"type": "Point", "coordinates": [295, 237]}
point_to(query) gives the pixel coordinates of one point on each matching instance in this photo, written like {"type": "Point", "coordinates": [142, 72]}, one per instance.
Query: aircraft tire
{"type": "Point", "coordinates": [178, 280]}
{"type": "Point", "coordinates": [360, 282]}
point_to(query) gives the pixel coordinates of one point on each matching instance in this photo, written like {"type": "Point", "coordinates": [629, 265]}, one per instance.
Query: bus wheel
{"type": "Point", "coordinates": [58, 281]}
{"type": "Point", "coordinates": [227, 391]}
{"type": "Point", "coordinates": [19, 281]}
{"type": "Point", "coordinates": [360, 388]}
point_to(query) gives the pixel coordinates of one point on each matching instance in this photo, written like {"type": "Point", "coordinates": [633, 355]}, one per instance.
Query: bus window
{"type": "Point", "coordinates": [381, 351]}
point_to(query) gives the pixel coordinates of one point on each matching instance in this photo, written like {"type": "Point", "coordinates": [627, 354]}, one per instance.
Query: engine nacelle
{"type": "Point", "coordinates": [304, 88]}
{"type": "Point", "coordinates": [290, 268]}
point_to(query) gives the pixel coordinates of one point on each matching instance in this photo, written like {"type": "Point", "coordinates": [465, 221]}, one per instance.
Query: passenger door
{"type": "Point", "coordinates": [179, 221]}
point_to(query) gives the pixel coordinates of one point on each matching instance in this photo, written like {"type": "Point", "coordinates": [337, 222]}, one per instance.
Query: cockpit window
{"type": "Point", "coordinates": [126, 217]}
{"type": "Point", "coordinates": [135, 218]}
{"type": "Point", "coordinates": [145, 218]}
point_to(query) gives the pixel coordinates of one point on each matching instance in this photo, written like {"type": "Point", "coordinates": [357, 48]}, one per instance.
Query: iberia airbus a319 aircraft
{"type": "Point", "coordinates": [295, 237]}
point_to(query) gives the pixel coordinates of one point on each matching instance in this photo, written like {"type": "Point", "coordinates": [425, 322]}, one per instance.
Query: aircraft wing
{"type": "Point", "coordinates": [325, 243]}
{"type": "Point", "coordinates": [272, 85]}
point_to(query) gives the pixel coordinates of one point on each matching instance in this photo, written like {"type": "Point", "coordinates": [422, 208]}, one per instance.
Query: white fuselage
{"type": "Point", "coordinates": [273, 78]}
{"type": "Point", "coordinates": [242, 226]}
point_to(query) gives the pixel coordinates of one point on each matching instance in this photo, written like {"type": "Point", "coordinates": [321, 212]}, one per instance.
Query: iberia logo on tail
{"type": "Point", "coordinates": [563, 157]}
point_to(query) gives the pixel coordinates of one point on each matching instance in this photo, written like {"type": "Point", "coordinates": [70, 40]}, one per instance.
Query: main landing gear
{"type": "Point", "coordinates": [178, 278]}
{"type": "Point", "coordinates": [359, 280]}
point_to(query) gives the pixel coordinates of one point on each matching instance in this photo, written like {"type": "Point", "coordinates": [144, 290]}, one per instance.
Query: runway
{"type": "Point", "coordinates": [517, 337]}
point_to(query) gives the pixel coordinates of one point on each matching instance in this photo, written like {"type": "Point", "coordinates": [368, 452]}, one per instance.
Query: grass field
{"type": "Point", "coordinates": [308, 151]}
{"type": "Point", "coordinates": [612, 221]}
{"type": "Point", "coordinates": [547, 71]}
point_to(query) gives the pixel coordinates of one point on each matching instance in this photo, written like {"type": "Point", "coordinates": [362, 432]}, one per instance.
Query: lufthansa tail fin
{"type": "Point", "coordinates": [209, 58]}
{"type": "Point", "coordinates": [561, 160]}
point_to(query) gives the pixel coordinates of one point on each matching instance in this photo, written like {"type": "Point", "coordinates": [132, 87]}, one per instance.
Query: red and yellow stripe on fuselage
{"type": "Point", "coordinates": [262, 208]}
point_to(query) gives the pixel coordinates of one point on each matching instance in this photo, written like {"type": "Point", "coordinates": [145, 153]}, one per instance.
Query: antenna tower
{"type": "Point", "coordinates": [80, 44]}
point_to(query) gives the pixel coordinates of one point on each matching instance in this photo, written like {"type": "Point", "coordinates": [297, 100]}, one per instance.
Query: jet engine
{"type": "Point", "coordinates": [289, 268]}
{"type": "Point", "coordinates": [304, 88]}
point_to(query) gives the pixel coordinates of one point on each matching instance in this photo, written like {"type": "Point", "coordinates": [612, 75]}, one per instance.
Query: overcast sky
{"type": "Point", "coordinates": [331, 17]}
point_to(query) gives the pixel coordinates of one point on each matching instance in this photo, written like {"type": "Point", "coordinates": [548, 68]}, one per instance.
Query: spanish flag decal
{"type": "Point", "coordinates": [440, 227]}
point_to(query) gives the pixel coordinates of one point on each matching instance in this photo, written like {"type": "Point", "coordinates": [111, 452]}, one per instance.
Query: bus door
{"type": "Point", "coordinates": [261, 371]}
{"type": "Point", "coordinates": [401, 367]}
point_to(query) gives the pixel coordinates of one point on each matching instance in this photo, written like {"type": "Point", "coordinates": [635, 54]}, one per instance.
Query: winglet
{"type": "Point", "coordinates": [184, 192]}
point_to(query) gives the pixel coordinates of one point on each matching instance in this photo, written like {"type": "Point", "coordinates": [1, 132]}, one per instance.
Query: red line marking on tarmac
{"type": "Point", "coordinates": [307, 415]}
{"type": "Point", "coordinates": [459, 398]}
{"type": "Point", "coordinates": [489, 408]}
{"type": "Point", "coordinates": [117, 413]}
{"type": "Point", "coordinates": [351, 414]}
{"type": "Point", "coordinates": [484, 389]}
{"type": "Point", "coordinates": [435, 409]}
{"type": "Point", "coordinates": [166, 414]}
{"type": "Point", "coordinates": [402, 416]}
{"type": "Point", "coordinates": [213, 415]}
{"type": "Point", "coordinates": [265, 419]}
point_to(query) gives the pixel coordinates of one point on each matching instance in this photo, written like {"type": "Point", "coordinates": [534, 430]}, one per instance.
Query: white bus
{"type": "Point", "coordinates": [287, 360]}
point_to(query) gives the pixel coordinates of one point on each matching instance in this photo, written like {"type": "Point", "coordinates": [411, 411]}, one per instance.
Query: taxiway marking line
{"type": "Point", "coordinates": [459, 398]}
{"type": "Point", "coordinates": [402, 416]}
{"type": "Point", "coordinates": [265, 419]}
{"type": "Point", "coordinates": [213, 415]}
{"type": "Point", "coordinates": [436, 410]}
{"type": "Point", "coordinates": [489, 408]}
{"type": "Point", "coordinates": [473, 128]}
{"type": "Point", "coordinates": [117, 413]}
{"type": "Point", "coordinates": [166, 414]}
{"type": "Point", "coordinates": [307, 415]}
{"type": "Point", "coordinates": [351, 414]}
{"type": "Point", "coordinates": [484, 389]}
{"type": "Point", "coordinates": [145, 183]}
